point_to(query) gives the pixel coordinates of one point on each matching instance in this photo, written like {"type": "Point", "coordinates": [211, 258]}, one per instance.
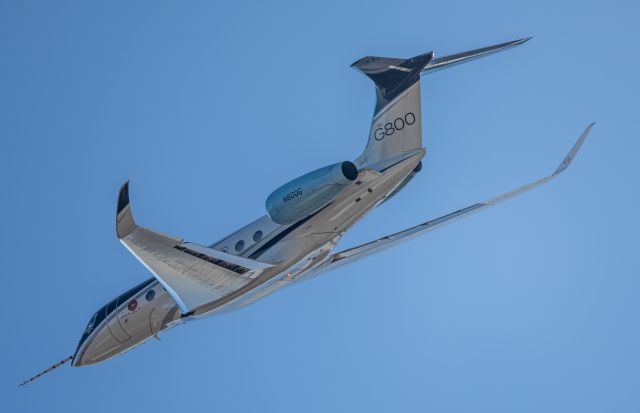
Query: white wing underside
{"type": "Point", "coordinates": [352, 254]}
{"type": "Point", "coordinates": [194, 275]}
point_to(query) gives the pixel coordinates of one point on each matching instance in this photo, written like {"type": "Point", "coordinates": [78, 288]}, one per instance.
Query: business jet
{"type": "Point", "coordinates": [297, 237]}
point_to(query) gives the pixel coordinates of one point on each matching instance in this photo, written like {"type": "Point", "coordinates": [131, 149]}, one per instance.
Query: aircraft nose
{"type": "Point", "coordinates": [99, 347]}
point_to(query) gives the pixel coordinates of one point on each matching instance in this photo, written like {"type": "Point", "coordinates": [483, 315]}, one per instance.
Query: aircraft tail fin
{"type": "Point", "coordinates": [396, 126]}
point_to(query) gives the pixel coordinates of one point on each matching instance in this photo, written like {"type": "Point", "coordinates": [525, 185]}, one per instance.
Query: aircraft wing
{"type": "Point", "coordinates": [361, 251]}
{"type": "Point", "coordinates": [193, 274]}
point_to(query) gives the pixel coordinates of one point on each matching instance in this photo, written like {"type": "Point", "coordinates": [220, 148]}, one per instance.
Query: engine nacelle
{"type": "Point", "coordinates": [305, 195]}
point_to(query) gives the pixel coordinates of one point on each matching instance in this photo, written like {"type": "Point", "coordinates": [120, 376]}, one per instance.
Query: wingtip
{"type": "Point", "coordinates": [124, 217]}
{"type": "Point", "coordinates": [521, 41]}
{"type": "Point", "coordinates": [123, 197]}
{"type": "Point", "coordinates": [574, 150]}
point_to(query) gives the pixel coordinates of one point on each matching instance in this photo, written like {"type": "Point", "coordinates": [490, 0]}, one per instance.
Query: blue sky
{"type": "Point", "coordinates": [208, 106]}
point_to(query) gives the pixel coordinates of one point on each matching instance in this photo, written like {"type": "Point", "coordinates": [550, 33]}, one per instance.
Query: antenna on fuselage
{"type": "Point", "coordinates": [55, 366]}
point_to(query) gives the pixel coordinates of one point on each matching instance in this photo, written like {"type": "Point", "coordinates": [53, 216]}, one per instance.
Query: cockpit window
{"type": "Point", "coordinates": [107, 309]}
{"type": "Point", "coordinates": [110, 307]}
{"type": "Point", "coordinates": [91, 324]}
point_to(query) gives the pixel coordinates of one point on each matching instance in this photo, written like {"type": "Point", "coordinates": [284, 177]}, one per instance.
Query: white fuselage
{"type": "Point", "coordinates": [307, 218]}
{"type": "Point", "coordinates": [296, 250]}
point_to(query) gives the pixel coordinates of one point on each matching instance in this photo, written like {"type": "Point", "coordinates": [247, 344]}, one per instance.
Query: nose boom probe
{"type": "Point", "coordinates": [55, 366]}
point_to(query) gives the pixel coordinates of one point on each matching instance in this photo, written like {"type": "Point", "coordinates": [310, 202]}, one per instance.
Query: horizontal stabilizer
{"type": "Point", "coordinates": [193, 274]}
{"type": "Point", "coordinates": [458, 58]}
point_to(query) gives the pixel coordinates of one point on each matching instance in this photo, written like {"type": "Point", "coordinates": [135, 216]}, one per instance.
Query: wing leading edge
{"type": "Point", "coordinates": [194, 275]}
{"type": "Point", "coordinates": [361, 251]}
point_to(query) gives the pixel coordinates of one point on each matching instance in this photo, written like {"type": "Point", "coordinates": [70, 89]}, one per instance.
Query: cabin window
{"type": "Point", "coordinates": [239, 245]}
{"type": "Point", "coordinates": [151, 294]}
{"type": "Point", "coordinates": [257, 236]}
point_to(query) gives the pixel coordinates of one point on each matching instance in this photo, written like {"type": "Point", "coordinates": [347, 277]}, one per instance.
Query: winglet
{"type": "Point", "coordinates": [124, 217]}
{"type": "Point", "coordinates": [574, 150]}
{"type": "Point", "coordinates": [123, 197]}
